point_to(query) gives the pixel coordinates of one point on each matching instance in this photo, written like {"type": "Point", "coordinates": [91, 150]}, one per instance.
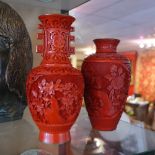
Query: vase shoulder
{"type": "Point", "coordinates": [102, 57]}
{"type": "Point", "coordinates": [55, 69]}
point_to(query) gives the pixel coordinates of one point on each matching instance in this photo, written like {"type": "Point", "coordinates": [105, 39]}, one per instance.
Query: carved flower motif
{"type": "Point", "coordinates": [116, 78]}
{"type": "Point", "coordinates": [46, 88]}
{"type": "Point", "coordinates": [66, 95]}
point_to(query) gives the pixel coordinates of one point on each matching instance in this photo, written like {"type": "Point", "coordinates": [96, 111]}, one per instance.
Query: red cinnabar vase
{"type": "Point", "coordinates": [107, 79]}
{"type": "Point", "coordinates": [55, 88]}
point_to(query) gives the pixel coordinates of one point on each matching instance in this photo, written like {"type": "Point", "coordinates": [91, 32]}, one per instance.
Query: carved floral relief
{"type": "Point", "coordinates": [64, 96]}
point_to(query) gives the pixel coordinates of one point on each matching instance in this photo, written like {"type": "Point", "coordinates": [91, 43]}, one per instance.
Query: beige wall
{"type": "Point", "coordinates": [30, 16]}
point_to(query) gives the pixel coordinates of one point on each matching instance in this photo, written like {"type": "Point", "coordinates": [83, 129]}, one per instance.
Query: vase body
{"type": "Point", "coordinates": [107, 79]}
{"type": "Point", "coordinates": [55, 88]}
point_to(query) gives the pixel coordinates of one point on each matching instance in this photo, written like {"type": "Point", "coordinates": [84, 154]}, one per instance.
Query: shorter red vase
{"type": "Point", "coordinates": [107, 79]}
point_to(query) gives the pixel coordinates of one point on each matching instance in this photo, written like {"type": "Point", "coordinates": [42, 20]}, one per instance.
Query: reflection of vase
{"type": "Point", "coordinates": [55, 88]}
{"type": "Point", "coordinates": [96, 144]}
{"type": "Point", "coordinates": [107, 78]}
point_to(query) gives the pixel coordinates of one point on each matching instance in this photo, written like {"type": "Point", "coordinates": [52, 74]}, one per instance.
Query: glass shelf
{"type": "Point", "coordinates": [21, 136]}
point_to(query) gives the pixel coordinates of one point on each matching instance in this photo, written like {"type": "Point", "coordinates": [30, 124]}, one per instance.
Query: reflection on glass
{"type": "Point", "coordinates": [35, 152]}
{"type": "Point", "coordinates": [127, 139]}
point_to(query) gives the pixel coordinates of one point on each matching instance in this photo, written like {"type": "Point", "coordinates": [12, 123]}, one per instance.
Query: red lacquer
{"type": "Point", "coordinates": [55, 88]}
{"type": "Point", "coordinates": [107, 79]}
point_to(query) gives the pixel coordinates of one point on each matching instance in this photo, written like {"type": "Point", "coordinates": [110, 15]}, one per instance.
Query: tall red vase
{"type": "Point", "coordinates": [107, 79]}
{"type": "Point", "coordinates": [55, 88]}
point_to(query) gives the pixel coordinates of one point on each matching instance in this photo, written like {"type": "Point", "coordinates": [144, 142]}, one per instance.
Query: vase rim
{"type": "Point", "coordinates": [56, 15]}
{"type": "Point", "coordinates": [107, 39]}
{"type": "Point", "coordinates": [106, 45]}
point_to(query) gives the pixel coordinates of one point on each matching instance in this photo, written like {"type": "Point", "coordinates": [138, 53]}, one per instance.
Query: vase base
{"type": "Point", "coordinates": [54, 138]}
{"type": "Point", "coordinates": [104, 124]}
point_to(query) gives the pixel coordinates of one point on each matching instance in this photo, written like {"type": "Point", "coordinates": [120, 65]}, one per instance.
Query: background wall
{"type": "Point", "coordinates": [145, 75]}
{"type": "Point", "coordinates": [30, 15]}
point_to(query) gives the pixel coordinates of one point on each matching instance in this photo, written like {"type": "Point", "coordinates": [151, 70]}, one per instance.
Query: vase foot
{"type": "Point", "coordinates": [54, 138]}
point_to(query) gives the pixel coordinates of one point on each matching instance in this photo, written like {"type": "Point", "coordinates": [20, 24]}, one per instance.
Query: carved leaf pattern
{"type": "Point", "coordinates": [95, 104]}
{"type": "Point", "coordinates": [93, 82]}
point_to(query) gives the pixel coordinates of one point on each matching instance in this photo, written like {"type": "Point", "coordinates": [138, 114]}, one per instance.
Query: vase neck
{"type": "Point", "coordinates": [106, 45]}
{"type": "Point", "coordinates": [56, 38]}
{"type": "Point", "coordinates": [56, 59]}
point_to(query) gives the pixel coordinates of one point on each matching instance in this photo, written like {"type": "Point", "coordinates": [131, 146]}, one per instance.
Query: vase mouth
{"type": "Point", "coordinates": [106, 44]}
{"type": "Point", "coordinates": [107, 40]}
{"type": "Point", "coordinates": [57, 16]}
